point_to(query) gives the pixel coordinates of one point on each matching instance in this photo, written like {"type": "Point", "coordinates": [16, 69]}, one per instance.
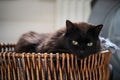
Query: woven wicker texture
{"type": "Point", "coordinates": [32, 66]}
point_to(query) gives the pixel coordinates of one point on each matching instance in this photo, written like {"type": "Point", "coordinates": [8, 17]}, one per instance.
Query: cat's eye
{"type": "Point", "coordinates": [90, 44]}
{"type": "Point", "coordinates": [75, 42]}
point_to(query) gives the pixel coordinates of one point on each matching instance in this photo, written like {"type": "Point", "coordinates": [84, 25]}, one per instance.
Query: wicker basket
{"type": "Point", "coordinates": [31, 66]}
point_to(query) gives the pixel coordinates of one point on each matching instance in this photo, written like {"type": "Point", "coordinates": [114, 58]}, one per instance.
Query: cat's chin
{"type": "Point", "coordinates": [81, 56]}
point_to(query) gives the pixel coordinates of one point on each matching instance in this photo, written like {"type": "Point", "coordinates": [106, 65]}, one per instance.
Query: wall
{"type": "Point", "coordinates": [74, 10]}
{"type": "Point", "coordinates": [20, 16]}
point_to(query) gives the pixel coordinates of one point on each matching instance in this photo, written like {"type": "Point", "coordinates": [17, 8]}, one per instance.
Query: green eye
{"type": "Point", "coordinates": [90, 44]}
{"type": "Point", "coordinates": [75, 42]}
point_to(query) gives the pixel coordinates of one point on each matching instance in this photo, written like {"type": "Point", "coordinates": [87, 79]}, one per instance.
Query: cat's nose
{"type": "Point", "coordinates": [81, 51]}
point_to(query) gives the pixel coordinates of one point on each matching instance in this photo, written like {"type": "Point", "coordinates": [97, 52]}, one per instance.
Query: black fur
{"type": "Point", "coordinates": [61, 40]}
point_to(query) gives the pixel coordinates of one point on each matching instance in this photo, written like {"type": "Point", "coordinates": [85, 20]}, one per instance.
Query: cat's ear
{"type": "Point", "coordinates": [69, 26]}
{"type": "Point", "coordinates": [96, 30]}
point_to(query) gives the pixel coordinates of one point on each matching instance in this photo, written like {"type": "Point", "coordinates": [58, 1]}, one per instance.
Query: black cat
{"type": "Point", "coordinates": [81, 39]}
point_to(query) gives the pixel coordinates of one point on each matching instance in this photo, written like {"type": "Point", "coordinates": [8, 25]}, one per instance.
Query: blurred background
{"type": "Point", "coordinates": [20, 16]}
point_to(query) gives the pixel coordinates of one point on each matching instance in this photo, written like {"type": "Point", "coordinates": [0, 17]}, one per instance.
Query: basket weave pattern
{"type": "Point", "coordinates": [32, 66]}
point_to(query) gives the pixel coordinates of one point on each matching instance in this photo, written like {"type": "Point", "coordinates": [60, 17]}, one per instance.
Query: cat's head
{"type": "Point", "coordinates": [82, 39]}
